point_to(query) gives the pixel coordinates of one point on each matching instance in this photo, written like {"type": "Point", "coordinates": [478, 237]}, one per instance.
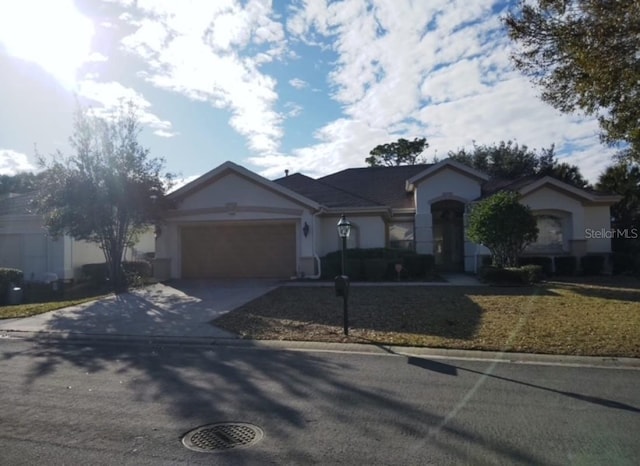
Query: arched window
{"type": "Point", "coordinates": [550, 234]}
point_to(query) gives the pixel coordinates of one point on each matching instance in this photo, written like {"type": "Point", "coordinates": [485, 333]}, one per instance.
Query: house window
{"type": "Point", "coordinates": [550, 234]}
{"type": "Point", "coordinates": [401, 235]}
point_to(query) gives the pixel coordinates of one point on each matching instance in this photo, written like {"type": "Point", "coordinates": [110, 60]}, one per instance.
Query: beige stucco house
{"type": "Point", "coordinates": [231, 222]}
{"type": "Point", "coordinates": [25, 244]}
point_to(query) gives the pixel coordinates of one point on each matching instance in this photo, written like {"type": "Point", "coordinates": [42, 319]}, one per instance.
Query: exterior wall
{"type": "Point", "coordinates": [597, 222]}
{"type": "Point", "coordinates": [33, 251]}
{"type": "Point", "coordinates": [585, 220]}
{"type": "Point", "coordinates": [367, 232]}
{"type": "Point", "coordinates": [442, 185]}
{"type": "Point", "coordinates": [233, 199]}
{"type": "Point", "coordinates": [545, 198]}
{"type": "Point", "coordinates": [37, 254]}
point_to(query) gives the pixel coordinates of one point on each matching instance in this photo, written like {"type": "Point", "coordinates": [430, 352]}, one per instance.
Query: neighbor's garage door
{"type": "Point", "coordinates": [239, 251]}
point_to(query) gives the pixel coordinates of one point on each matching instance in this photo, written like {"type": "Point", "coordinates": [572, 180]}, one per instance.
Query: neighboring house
{"type": "Point", "coordinates": [232, 222]}
{"type": "Point", "coordinates": [25, 244]}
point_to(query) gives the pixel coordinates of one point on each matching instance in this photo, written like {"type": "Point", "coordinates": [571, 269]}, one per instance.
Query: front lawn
{"type": "Point", "coordinates": [553, 318]}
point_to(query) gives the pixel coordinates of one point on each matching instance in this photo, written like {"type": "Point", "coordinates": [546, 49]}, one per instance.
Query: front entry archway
{"type": "Point", "coordinates": [448, 235]}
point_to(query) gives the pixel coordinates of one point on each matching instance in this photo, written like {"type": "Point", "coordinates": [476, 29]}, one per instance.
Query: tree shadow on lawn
{"type": "Point", "coordinates": [438, 311]}
{"type": "Point", "coordinates": [608, 289]}
{"type": "Point", "coordinates": [271, 388]}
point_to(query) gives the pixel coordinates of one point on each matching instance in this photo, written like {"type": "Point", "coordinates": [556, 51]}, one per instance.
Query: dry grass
{"type": "Point", "coordinates": [32, 309]}
{"type": "Point", "coordinates": [554, 318]}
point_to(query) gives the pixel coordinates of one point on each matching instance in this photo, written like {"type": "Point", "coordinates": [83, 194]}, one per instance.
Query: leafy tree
{"type": "Point", "coordinates": [623, 178]}
{"type": "Point", "coordinates": [584, 55]}
{"type": "Point", "coordinates": [504, 226]}
{"type": "Point", "coordinates": [510, 160]}
{"type": "Point", "coordinates": [108, 192]}
{"type": "Point", "coordinates": [401, 152]}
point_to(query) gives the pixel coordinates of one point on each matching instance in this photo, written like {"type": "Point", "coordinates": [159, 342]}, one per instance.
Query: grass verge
{"type": "Point", "coordinates": [553, 318]}
{"type": "Point", "coordinates": [32, 309]}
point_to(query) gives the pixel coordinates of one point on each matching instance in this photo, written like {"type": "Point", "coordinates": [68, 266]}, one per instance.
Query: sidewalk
{"type": "Point", "coordinates": [451, 279]}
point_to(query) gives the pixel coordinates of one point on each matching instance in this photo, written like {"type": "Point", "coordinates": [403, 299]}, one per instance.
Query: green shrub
{"type": "Point", "coordinates": [419, 265]}
{"type": "Point", "coordinates": [374, 269]}
{"type": "Point", "coordinates": [542, 261]}
{"type": "Point", "coordinates": [96, 274]}
{"type": "Point", "coordinates": [9, 277]}
{"type": "Point", "coordinates": [391, 273]}
{"type": "Point", "coordinates": [357, 268]}
{"type": "Point", "coordinates": [354, 268]}
{"type": "Point", "coordinates": [330, 267]}
{"type": "Point", "coordinates": [592, 264]}
{"type": "Point", "coordinates": [565, 265]}
{"type": "Point", "coordinates": [504, 276]}
{"type": "Point", "coordinates": [37, 292]}
{"type": "Point", "coordinates": [533, 273]}
{"type": "Point", "coordinates": [625, 262]}
{"type": "Point", "coordinates": [136, 272]}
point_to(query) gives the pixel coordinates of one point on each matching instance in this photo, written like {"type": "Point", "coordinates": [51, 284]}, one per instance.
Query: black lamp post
{"type": "Point", "coordinates": [342, 282]}
{"type": "Point", "coordinates": [344, 228]}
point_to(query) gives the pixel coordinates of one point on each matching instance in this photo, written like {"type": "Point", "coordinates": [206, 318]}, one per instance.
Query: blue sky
{"type": "Point", "coordinates": [309, 86]}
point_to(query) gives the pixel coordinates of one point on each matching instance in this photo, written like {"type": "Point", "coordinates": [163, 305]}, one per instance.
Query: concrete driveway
{"type": "Point", "coordinates": [183, 308]}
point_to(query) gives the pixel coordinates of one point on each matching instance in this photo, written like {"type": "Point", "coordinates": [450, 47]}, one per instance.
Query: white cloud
{"type": "Point", "coordinates": [438, 69]}
{"type": "Point", "coordinates": [212, 51]}
{"type": "Point", "coordinates": [12, 162]}
{"type": "Point", "coordinates": [292, 109]}
{"type": "Point", "coordinates": [298, 83]}
{"type": "Point", "coordinates": [112, 95]}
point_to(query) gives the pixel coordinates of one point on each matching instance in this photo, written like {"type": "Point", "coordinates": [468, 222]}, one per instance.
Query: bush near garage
{"type": "Point", "coordinates": [565, 265]}
{"type": "Point", "coordinates": [592, 264]}
{"type": "Point", "coordinates": [9, 277]}
{"type": "Point", "coordinates": [136, 273]}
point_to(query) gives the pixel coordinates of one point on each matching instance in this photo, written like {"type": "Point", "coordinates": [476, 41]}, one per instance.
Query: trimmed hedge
{"type": "Point", "coordinates": [626, 263]}
{"type": "Point", "coordinates": [375, 264]}
{"type": "Point", "coordinates": [524, 275]}
{"type": "Point", "coordinates": [565, 265]}
{"type": "Point", "coordinates": [374, 269]}
{"type": "Point", "coordinates": [543, 261]}
{"type": "Point", "coordinates": [9, 277]}
{"type": "Point", "coordinates": [592, 264]}
{"type": "Point", "coordinates": [135, 272]}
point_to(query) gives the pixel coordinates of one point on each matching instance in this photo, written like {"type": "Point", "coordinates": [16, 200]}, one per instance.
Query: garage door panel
{"type": "Point", "coordinates": [238, 251]}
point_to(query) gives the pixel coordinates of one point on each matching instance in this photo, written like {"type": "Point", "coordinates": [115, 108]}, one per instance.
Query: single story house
{"type": "Point", "coordinates": [25, 244]}
{"type": "Point", "coordinates": [231, 222]}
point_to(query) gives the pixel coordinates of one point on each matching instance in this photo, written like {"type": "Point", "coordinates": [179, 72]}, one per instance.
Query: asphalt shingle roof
{"type": "Point", "coordinates": [323, 193]}
{"type": "Point", "coordinates": [383, 185]}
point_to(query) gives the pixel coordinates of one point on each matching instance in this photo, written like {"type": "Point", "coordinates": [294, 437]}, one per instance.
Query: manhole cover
{"type": "Point", "coordinates": [222, 436]}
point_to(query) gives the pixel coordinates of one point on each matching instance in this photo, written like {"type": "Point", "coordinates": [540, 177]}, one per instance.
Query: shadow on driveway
{"type": "Point", "coordinates": [177, 309]}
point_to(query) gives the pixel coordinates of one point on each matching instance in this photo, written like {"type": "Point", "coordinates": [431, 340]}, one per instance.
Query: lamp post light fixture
{"type": "Point", "coordinates": [344, 229]}
{"type": "Point", "coordinates": [342, 282]}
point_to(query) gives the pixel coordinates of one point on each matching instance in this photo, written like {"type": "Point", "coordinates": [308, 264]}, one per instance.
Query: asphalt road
{"type": "Point", "coordinates": [112, 403]}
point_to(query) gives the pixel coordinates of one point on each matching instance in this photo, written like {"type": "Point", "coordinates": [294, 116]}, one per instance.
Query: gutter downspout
{"type": "Point", "coordinates": [313, 245]}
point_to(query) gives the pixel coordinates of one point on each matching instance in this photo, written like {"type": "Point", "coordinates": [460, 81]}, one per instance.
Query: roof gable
{"type": "Point", "coordinates": [566, 188]}
{"type": "Point", "coordinates": [229, 167]}
{"type": "Point", "coordinates": [443, 165]}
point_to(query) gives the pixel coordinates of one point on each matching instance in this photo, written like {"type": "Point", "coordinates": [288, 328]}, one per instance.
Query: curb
{"type": "Point", "coordinates": [354, 348]}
